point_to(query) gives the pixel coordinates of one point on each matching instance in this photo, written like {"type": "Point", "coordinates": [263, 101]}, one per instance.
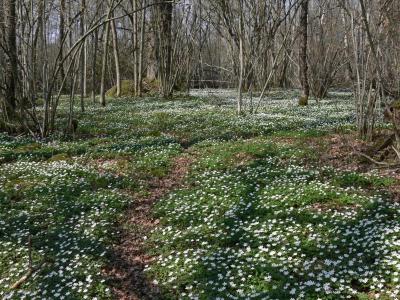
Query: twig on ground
{"type": "Point", "coordinates": [27, 275]}
{"type": "Point", "coordinates": [396, 151]}
{"type": "Point", "coordinates": [378, 163]}
{"type": "Point", "coordinates": [31, 269]}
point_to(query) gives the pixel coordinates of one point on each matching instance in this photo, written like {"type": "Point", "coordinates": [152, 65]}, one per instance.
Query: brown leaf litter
{"type": "Point", "coordinates": [125, 274]}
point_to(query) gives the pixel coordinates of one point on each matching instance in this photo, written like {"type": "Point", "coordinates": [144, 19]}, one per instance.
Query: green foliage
{"type": "Point", "coordinates": [303, 101]}
{"type": "Point", "coordinates": [69, 211]}
{"type": "Point", "coordinates": [247, 210]}
{"type": "Point", "coordinates": [271, 229]}
{"type": "Point", "coordinates": [348, 179]}
{"type": "Point", "coordinates": [127, 89]}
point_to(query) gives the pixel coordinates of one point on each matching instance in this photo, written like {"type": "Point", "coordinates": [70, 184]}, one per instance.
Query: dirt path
{"type": "Point", "coordinates": [126, 272]}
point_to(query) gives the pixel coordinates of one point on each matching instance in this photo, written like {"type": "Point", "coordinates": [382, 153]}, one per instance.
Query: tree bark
{"type": "Point", "coordinates": [11, 67]}
{"type": "Point", "coordinates": [152, 70]}
{"type": "Point", "coordinates": [116, 57]}
{"type": "Point", "coordinates": [135, 46]}
{"type": "Point", "coordinates": [303, 51]}
{"type": "Point", "coordinates": [165, 42]}
{"type": "Point", "coordinates": [82, 56]}
{"type": "Point", "coordinates": [2, 57]}
{"type": "Point", "coordinates": [141, 49]}
{"type": "Point", "coordinates": [104, 64]}
{"type": "Point", "coordinates": [94, 74]}
{"type": "Point", "coordinates": [241, 61]}
{"type": "Point", "coordinates": [62, 38]}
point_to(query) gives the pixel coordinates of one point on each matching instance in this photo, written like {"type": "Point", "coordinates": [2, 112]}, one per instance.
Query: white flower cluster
{"type": "Point", "coordinates": [258, 233]}
{"type": "Point", "coordinates": [68, 210]}
{"type": "Point", "coordinates": [268, 231]}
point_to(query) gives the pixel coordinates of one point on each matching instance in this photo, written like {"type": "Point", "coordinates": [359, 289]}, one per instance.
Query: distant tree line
{"type": "Point", "coordinates": [81, 48]}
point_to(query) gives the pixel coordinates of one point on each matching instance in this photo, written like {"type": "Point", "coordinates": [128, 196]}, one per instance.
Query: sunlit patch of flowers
{"type": "Point", "coordinates": [265, 231]}
{"type": "Point", "coordinates": [273, 230]}
{"type": "Point", "coordinates": [69, 212]}
{"type": "Point", "coordinates": [212, 115]}
{"type": "Point", "coordinates": [131, 123]}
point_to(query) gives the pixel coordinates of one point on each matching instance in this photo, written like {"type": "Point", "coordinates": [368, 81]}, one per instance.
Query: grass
{"type": "Point", "coordinates": [252, 221]}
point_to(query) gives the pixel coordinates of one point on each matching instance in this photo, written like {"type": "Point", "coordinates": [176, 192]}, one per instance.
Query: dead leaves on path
{"type": "Point", "coordinates": [125, 274]}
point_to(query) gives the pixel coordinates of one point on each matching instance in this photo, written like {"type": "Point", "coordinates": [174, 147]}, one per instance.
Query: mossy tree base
{"type": "Point", "coordinates": [303, 100]}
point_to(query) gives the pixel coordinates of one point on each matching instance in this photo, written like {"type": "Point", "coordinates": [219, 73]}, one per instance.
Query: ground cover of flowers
{"type": "Point", "coordinates": [252, 223]}
{"type": "Point", "coordinates": [271, 229]}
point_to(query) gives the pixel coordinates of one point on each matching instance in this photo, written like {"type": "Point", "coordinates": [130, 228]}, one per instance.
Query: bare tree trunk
{"type": "Point", "coordinates": [72, 95]}
{"type": "Point", "coordinates": [349, 69]}
{"type": "Point", "coordinates": [62, 37]}
{"type": "Point", "coordinates": [11, 71]}
{"type": "Point", "coordinates": [104, 64]}
{"type": "Point", "coordinates": [369, 100]}
{"type": "Point", "coordinates": [45, 74]}
{"type": "Point", "coordinates": [2, 58]}
{"type": "Point", "coordinates": [165, 41]}
{"type": "Point", "coordinates": [303, 52]}
{"type": "Point", "coordinates": [135, 47]}
{"type": "Point", "coordinates": [82, 56]}
{"type": "Point", "coordinates": [116, 57]}
{"type": "Point", "coordinates": [94, 74]}
{"type": "Point", "coordinates": [152, 70]}
{"type": "Point", "coordinates": [241, 62]}
{"type": "Point", "coordinates": [70, 43]}
{"type": "Point", "coordinates": [141, 48]}
{"type": "Point", "coordinates": [85, 68]}
{"type": "Point", "coordinates": [34, 49]}
{"type": "Point", "coordinates": [2, 17]}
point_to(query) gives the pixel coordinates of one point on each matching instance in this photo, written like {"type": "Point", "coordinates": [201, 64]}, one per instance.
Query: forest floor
{"type": "Point", "coordinates": [182, 199]}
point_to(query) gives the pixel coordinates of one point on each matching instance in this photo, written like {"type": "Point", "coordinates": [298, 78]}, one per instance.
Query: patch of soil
{"type": "Point", "coordinates": [339, 151]}
{"type": "Point", "coordinates": [345, 151]}
{"type": "Point", "coordinates": [342, 151]}
{"type": "Point", "coordinates": [125, 274]}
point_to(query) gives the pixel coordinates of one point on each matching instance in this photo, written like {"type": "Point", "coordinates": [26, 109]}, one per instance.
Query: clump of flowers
{"type": "Point", "coordinates": [265, 230]}
{"type": "Point", "coordinates": [67, 212]}
{"type": "Point", "coordinates": [276, 231]}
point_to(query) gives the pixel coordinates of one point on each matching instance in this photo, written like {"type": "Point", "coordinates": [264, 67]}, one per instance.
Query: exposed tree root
{"type": "Point", "coordinates": [31, 269]}
{"type": "Point", "coordinates": [381, 164]}
{"type": "Point", "coordinates": [27, 275]}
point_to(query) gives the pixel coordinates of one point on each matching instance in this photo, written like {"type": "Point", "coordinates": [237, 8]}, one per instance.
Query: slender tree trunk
{"type": "Point", "coordinates": [62, 38]}
{"type": "Point", "coordinates": [241, 64]}
{"type": "Point", "coordinates": [2, 17]}
{"type": "Point", "coordinates": [104, 64]}
{"type": "Point", "coordinates": [141, 48]}
{"type": "Point", "coordinates": [152, 53]}
{"type": "Point", "coordinates": [72, 94]}
{"type": "Point", "coordinates": [135, 47]}
{"type": "Point", "coordinates": [303, 52]}
{"type": "Point", "coordinates": [34, 49]}
{"type": "Point", "coordinates": [94, 74]}
{"type": "Point", "coordinates": [152, 72]}
{"type": "Point", "coordinates": [376, 91]}
{"type": "Point", "coordinates": [82, 56]}
{"type": "Point", "coordinates": [85, 64]}
{"type": "Point", "coordinates": [45, 73]}
{"type": "Point", "coordinates": [2, 58]}
{"type": "Point", "coordinates": [165, 41]}
{"type": "Point", "coordinates": [70, 40]}
{"type": "Point", "coordinates": [11, 71]}
{"type": "Point", "coordinates": [349, 69]}
{"type": "Point", "coordinates": [116, 57]}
